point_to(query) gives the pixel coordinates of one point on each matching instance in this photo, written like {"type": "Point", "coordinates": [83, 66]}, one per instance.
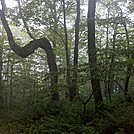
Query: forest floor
{"type": "Point", "coordinates": [70, 120]}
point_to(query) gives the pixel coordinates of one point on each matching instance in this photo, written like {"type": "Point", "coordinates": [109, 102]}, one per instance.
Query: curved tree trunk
{"type": "Point", "coordinates": [30, 48]}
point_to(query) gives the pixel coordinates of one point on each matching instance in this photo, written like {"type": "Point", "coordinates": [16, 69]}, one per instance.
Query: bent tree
{"type": "Point", "coordinates": [30, 48]}
{"type": "Point", "coordinates": [95, 81]}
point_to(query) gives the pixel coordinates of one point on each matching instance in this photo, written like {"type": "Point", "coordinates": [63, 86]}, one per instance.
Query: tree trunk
{"type": "Point", "coordinates": [1, 64]}
{"type": "Point", "coordinates": [1, 88]}
{"type": "Point", "coordinates": [111, 75]}
{"type": "Point", "coordinates": [106, 55]}
{"type": "Point", "coordinates": [67, 54]}
{"type": "Point", "coordinates": [6, 82]}
{"type": "Point", "coordinates": [30, 48]}
{"type": "Point", "coordinates": [75, 71]}
{"type": "Point", "coordinates": [95, 81]}
{"type": "Point", "coordinates": [129, 66]}
{"type": "Point", "coordinates": [11, 84]}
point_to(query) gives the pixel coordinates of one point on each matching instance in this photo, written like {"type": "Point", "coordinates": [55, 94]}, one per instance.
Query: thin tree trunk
{"type": "Point", "coordinates": [75, 71]}
{"type": "Point", "coordinates": [54, 12]}
{"type": "Point", "coordinates": [11, 85]}
{"type": "Point", "coordinates": [67, 52]}
{"type": "Point", "coordinates": [95, 81]}
{"type": "Point", "coordinates": [107, 43]}
{"type": "Point", "coordinates": [128, 66]}
{"type": "Point", "coordinates": [111, 75]}
{"type": "Point", "coordinates": [1, 87]}
{"type": "Point", "coordinates": [6, 83]}
{"type": "Point", "coordinates": [24, 76]}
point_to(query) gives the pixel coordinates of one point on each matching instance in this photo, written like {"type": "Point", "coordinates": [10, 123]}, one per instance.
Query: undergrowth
{"type": "Point", "coordinates": [68, 118]}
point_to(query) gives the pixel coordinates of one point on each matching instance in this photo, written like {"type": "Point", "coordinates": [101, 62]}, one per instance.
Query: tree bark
{"type": "Point", "coordinates": [11, 84]}
{"type": "Point", "coordinates": [111, 75]}
{"type": "Point", "coordinates": [1, 64]}
{"type": "Point", "coordinates": [95, 81]}
{"type": "Point", "coordinates": [67, 54]}
{"type": "Point", "coordinates": [75, 71]}
{"type": "Point", "coordinates": [129, 66]}
{"type": "Point", "coordinates": [1, 87]}
{"type": "Point", "coordinates": [106, 55]}
{"type": "Point", "coordinates": [30, 48]}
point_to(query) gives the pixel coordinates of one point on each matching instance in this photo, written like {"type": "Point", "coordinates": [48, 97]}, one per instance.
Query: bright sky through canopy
{"type": "Point", "coordinates": [11, 3]}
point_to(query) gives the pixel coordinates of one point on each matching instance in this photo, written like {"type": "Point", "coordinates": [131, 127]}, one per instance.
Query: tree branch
{"type": "Point", "coordinates": [23, 19]}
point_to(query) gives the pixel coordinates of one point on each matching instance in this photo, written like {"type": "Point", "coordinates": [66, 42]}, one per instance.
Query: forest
{"type": "Point", "coordinates": [67, 67]}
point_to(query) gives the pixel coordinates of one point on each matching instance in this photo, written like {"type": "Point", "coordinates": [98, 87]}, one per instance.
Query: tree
{"type": "Point", "coordinates": [1, 64]}
{"type": "Point", "coordinates": [30, 48]}
{"type": "Point", "coordinates": [95, 82]}
{"type": "Point", "coordinates": [67, 51]}
{"type": "Point", "coordinates": [75, 71]}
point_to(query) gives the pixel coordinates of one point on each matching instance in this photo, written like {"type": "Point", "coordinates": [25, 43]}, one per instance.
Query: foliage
{"type": "Point", "coordinates": [117, 118]}
{"type": "Point", "coordinates": [25, 91]}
